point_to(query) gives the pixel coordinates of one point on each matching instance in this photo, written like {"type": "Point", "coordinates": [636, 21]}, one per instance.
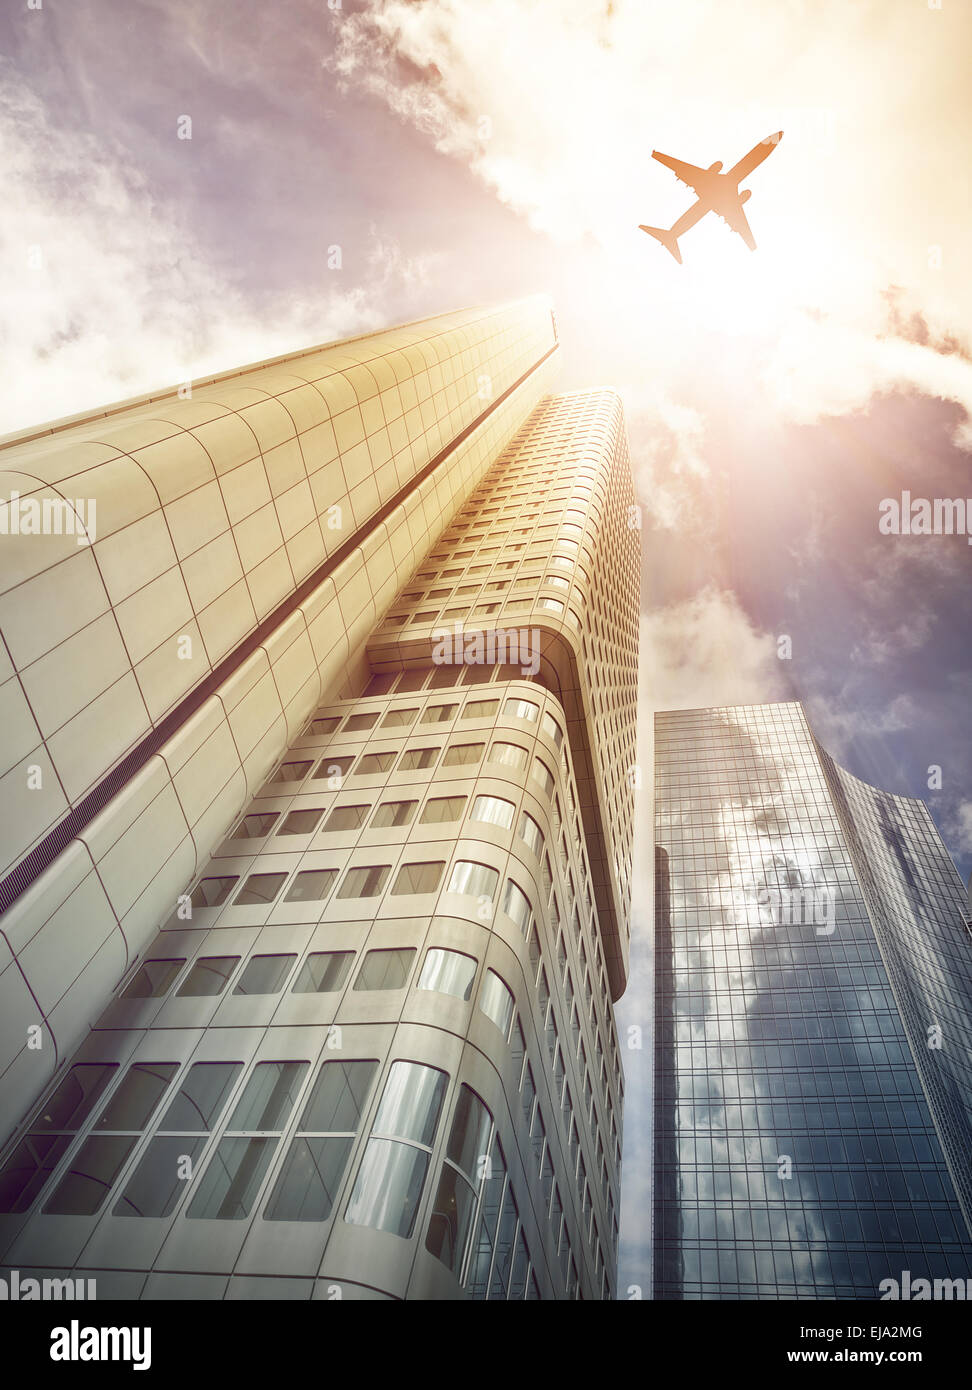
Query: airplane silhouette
{"type": "Point", "coordinates": [716, 192]}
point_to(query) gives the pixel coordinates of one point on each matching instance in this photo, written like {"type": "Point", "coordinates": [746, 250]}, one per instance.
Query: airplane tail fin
{"type": "Point", "coordinates": [669, 242]}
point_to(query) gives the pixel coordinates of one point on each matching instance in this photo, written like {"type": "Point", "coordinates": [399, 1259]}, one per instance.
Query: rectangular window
{"type": "Point", "coordinates": [385, 969]}
{"type": "Point", "coordinates": [208, 976]}
{"type": "Point", "coordinates": [153, 979]}
{"type": "Point", "coordinates": [212, 892]}
{"type": "Point", "coordinates": [373, 763]}
{"type": "Point", "coordinates": [393, 813]}
{"type": "Point", "coordinates": [301, 822]}
{"type": "Point", "coordinates": [264, 974]}
{"type": "Point", "coordinates": [259, 888]}
{"type": "Point", "coordinates": [365, 881]}
{"type": "Point", "coordinates": [346, 818]}
{"type": "Point", "coordinates": [463, 754]}
{"type": "Point", "coordinates": [441, 809]}
{"type": "Point", "coordinates": [389, 1184]}
{"type": "Point", "coordinates": [323, 972]}
{"type": "Point", "coordinates": [399, 718]}
{"type": "Point", "coordinates": [418, 878]}
{"type": "Point", "coordinates": [448, 972]}
{"type": "Point", "coordinates": [291, 772]}
{"type": "Point", "coordinates": [439, 714]}
{"type": "Point", "coordinates": [473, 880]}
{"type": "Point", "coordinates": [255, 826]}
{"type": "Point", "coordinates": [311, 885]}
{"type": "Point", "coordinates": [316, 1160]}
{"type": "Point", "coordinates": [333, 769]}
{"type": "Point", "coordinates": [414, 758]}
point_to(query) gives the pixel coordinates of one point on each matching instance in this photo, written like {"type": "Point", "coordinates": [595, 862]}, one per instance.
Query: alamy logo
{"type": "Point", "coordinates": [77, 1343]}
{"type": "Point", "coordinates": [921, 516]}
{"type": "Point", "coordinates": [28, 1290]}
{"type": "Point", "coordinates": [921, 1290]}
{"type": "Point", "coordinates": [48, 516]}
{"type": "Point", "coordinates": [499, 647]}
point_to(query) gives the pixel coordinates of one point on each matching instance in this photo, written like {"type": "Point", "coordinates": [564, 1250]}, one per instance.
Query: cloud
{"type": "Point", "coordinates": [107, 294]}
{"type": "Point", "coordinates": [556, 105]}
{"type": "Point", "coordinates": [667, 441]}
{"type": "Point", "coordinates": [957, 829]}
{"type": "Point", "coordinates": [706, 652]}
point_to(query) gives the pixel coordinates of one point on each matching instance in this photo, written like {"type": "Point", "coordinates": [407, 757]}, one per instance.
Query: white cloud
{"type": "Point", "coordinates": [958, 828]}
{"type": "Point", "coordinates": [106, 294]}
{"type": "Point", "coordinates": [705, 652]}
{"type": "Point", "coordinates": [556, 105]}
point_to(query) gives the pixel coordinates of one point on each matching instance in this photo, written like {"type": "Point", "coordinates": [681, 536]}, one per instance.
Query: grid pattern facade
{"type": "Point", "coordinates": [85, 915]}
{"type": "Point", "coordinates": [546, 544]}
{"type": "Point", "coordinates": [381, 1012]}
{"type": "Point", "coordinates": [796, 1153]}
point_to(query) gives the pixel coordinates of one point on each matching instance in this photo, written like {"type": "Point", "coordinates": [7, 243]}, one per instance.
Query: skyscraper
{"type": "Point", "coordinates": [813, 1112]}
{"type": "Point", "coordinates": [344, 902]}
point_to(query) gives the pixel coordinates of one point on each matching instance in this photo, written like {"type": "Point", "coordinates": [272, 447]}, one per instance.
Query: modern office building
{"type": "Point", "coordinates": [813, 1089]}
{"type": "Point", "coordinates": [318, 830]}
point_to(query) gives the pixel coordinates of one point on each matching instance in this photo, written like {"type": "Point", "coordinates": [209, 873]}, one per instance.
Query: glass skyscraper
{"type": "Point", "coordinates": [315, 933]}
{"type": "Point", "coordinates": [813, 968]}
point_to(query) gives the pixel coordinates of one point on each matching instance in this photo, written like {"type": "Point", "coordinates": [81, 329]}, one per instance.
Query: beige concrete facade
{"type": "Point", "coordinates": [393, 888]}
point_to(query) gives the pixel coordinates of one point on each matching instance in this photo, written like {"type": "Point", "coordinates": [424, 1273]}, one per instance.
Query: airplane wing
{"type": "Point", "coordinates": [755, 157]}
{"type": "Point", "coordinates": [689, 219]}
{"type": "Point", "coordinates": [736, 219]}
{"type": "Point", "coordinates": [688, 173]}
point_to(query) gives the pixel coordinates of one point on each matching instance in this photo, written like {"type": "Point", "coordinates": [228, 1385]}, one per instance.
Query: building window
{"type": "Point", "coordinates": [57, 1121]}
{"type": "Point", "coordinates": [153, 979]}
{"type": "Point", "coordinates": [399, 718]}
{"type": "Point", "coordinates": [311, 885]}
{"type": "Point", "coordinates": [291, 772]}
{"type": "Point", "coordinates": [323, 972]}
{"type": "Point", "coordinates": [301, 822]}
{"type": "Point", "coordinates": [326, 725]}
{"type": "Point", "coordinates": [522, 709]}
{"type": "Point", "coordinates": [364, 881]}
{"type": "Point", "coordinates": [414, 758]}
{"type": "Point", "coordinates": [441, 809]}
{"type": "Point", "coordinates": [494, 811]}
{"type": "Point", "coordinates": [439, 714]}
{"type": "Point", "coordinates": [334, 769]}
{"type": "Point", "coordinates": [235, 1173]}
{"type": "Point", "coordinates": [551, 727]}
{"type": "Point", "coordinates": [346, 818]}
{"type": "Point", "coordinates": [497, 1002]}
{"type": "Point", "coordinates": [385, 969]}
{"type": "Point", "coordinates": [158, 1182]}
{"type": "Point", "coordinates": [448, 972]}
{"type": "Point", "coordinates": [473, 880]}
{"type": "Point", "coordinates": [508, 754]}
{"type": "Point", "coordinates": [388, 1187]}
{"type": "Point", "coordinates": [259, 888]}
{"type": "Point", "coordinates": [516, 904]}
{"type": "Point", "coordinates": [356, 722]}
{"type": "Point", "coordinates": [418, 878]}
{"type": "Point", "coordinates": [373, 763]}
{"type": "Point", "coordinates": [318, 1154]}
{"type": "Point", "coordinates": [264, 975]}
{"type": "Point", "coordinates": [463, 754]}
{"type": "Point", "coordinates": [480, 709]}
{"type": "Point", "coordinates": [255, 826]}
{"type": "Point", "coordinates": [213, 892]}
{"type": "Point", "coordinates": [208, 976]}
{"type": "Point", "coordinates": [393, 813]}
{"type": "Point", "coordinates": [97, 1163]}
{"type": "Point", "coordinates": [531, 834]}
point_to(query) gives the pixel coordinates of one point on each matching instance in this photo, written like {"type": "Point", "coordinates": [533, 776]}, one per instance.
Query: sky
{"type": "Point", "coordinates": [472, 151]}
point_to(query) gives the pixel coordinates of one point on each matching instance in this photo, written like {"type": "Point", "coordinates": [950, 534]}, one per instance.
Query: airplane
{"type": "Point", "coordinates": [715, 191]}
